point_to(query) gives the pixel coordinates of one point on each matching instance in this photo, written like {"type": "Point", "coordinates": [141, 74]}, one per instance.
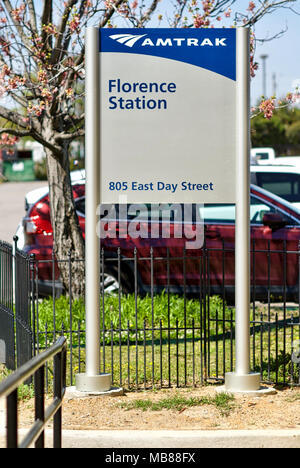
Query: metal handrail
{"type": "Point", "coordinates": [9, 389]}
{"type": "Point", "coordinates": [13, 381]}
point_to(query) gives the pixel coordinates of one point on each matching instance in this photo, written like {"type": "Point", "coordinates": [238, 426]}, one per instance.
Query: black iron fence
{"type": "Point", "coordinates": [9, 390]}
{"type": "Point", "coordinates": [7, 319]}
{"type": "Point", "coordinates": [16, 302]}
{"type": "Point", "coordinates": [169, 320]}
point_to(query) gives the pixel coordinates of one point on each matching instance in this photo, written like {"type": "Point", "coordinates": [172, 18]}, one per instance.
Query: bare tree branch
{"type": "Point", "coordinates": [147, 15]}
{"type": "Point", "coordinates": [109, 13]}
{"type": "Point", "coordinates": [14, 132]}
{"type": "Point", "coordinates": [266, 8]}
{"type": "Point", "coordinates": [69, 136]}
{"type": "Point", "coordinates": [12, 116]}
{"type": "Point", "coordinates": [18, 27]}
{"type": "Point", "coordinates": [32, 15]}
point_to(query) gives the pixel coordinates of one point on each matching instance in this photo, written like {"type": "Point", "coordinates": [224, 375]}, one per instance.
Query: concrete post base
{"type": "Point", "coordinates": [93, 383]}
{"type": "Point", "coordinates": [241, 383]}
{"type": "Point", "coordinates": [248, 384]}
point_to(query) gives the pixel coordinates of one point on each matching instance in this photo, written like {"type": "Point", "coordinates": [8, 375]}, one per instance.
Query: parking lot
{"type": "Point", "coordinates": [12, 210]}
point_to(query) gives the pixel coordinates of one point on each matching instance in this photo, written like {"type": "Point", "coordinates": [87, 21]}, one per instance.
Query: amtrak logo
{"type": "Point", "coordinates": [131, 39]}
{"type": "Point", "coordinates": [127, 39]}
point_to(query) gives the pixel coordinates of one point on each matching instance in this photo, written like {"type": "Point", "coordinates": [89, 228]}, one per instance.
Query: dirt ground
{"type": "Point", "coordinates": [280, 411]}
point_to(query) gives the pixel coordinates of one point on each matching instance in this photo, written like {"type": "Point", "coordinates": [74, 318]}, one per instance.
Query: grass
{"type": "Point", "coordinates": [3, 372]}
{"type": "Point", "coordinates": [222, 401]}
{"type": "Point", "coordinates": [294, 397]}
{"type": "Point", "coordinates": [25, 392]}
{"type": "Point", "coordinates": [138, 357]}
{"type": "Point", "coordinates": [167, 310]}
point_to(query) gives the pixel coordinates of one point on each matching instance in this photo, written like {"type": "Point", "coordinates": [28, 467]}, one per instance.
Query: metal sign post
{"type": "Point", "coordinates": [242, 379]}
{"type": "Point", "coordinates": [92, 380]}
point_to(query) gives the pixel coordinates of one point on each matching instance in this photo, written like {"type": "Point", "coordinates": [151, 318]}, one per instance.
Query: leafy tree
{"type": "Point", "coordinates": [267, 132]}
{"type": "Point", "coordinates": [42, 70]}
{"type": "Point", "coordinates": [293, 133]}
{"type": "Point", "coordinates": [279, 132]}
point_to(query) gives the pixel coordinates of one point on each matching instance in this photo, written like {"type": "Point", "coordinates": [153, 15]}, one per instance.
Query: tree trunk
{"type": "Point", "coordinates": [67, 234]}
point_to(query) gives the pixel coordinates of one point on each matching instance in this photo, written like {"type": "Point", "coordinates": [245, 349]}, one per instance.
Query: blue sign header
{"type": "Point", "coordinates": [212, 49]}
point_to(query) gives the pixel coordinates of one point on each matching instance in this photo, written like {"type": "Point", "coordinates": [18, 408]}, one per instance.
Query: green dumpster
{"type": "Point", "coordinates": [19, 170]}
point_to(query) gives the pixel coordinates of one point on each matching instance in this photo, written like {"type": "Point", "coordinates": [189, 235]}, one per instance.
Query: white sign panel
{"type": "Point", "coordinates": [168, 103]}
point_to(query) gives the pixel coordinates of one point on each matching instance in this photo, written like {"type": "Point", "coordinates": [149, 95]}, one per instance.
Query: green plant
{"type": "Point", "coordinates": [40, 170]}
{"type": "Point", "coordinates": [25, 392]}
{"type": "Point", "coordinates": [4, 372]}
{"type": "Point", "coordinates": [173, 311]}
{"type": "Point", "coordinates": [294, 397]}
{"type": "Point", "coordinates": [222, 401]}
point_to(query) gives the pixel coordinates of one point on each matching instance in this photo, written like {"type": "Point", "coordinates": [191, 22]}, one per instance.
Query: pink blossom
{"type": "Point", "coordinates": [42, 76]}
{"type": "Point", "coordinates": [267, 106]}
{"type": "Point", "coordinates": [36, 109]}
{"type": "Point", "coordinates": [50, 29]}
{"type": "Point", "coordinates": [5, 46]}
{"type": "Point", "coordinates": [47, 94]}
{"type": "Point", "coordinates": [74, 23]}
{"type": "Point", "coordinates": [88, 5]}
{"type": "Point", "coordinates": [69, 92]}
{"type": "Point", "coordinates": [207, 5]}
{"type": "Point", "coordinates": [17, 13]}
{"type": "Point", "coordinates": [8, 140]}
{"type": "Point", "coordinates": [251, 6]}
{"type": "Point", "coordinates": [253, 66]}
{"type": "Point", "coordinates": [200, 21]}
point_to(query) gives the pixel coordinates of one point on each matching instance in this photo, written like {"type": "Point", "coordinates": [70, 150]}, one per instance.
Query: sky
{"type": "Point", "coordinates": [283, 52]}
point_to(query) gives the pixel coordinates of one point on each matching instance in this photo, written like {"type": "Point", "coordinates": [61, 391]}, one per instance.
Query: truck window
{"type": "Point", "coordinates": [261, 156]}
{"type": "Point", "coordinates": [285, 185]}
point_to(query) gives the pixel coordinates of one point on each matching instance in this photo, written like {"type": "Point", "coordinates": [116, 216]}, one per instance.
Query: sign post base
{"type": "Point", "coordinates": [247, 384]}
{"type": "Point", "coordinates": [93, 383]}
{"type": "Point", "coordinates": [240, 383]}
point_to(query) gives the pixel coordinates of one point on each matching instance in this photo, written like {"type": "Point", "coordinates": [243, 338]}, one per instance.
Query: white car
{"type": "Point", "coordinates": [35, 195]}
{"type": "Point", "coordinates": [281, 180]}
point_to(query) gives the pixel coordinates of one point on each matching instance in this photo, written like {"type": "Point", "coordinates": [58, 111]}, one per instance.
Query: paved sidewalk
{"type": "Point", "coordinates": [2, 414]}
{"type": "Point", "coordinates": [176, 439]}
{"type": "Point", "coordinates": [12, 203]}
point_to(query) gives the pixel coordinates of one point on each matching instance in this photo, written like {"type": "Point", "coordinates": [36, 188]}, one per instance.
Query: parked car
{"type": "Point", "coordinates": [34, 196]}
{"type": "Point", "coordinates": [275, 229]}
{"type": "Point", "coordinates": [281, 180]}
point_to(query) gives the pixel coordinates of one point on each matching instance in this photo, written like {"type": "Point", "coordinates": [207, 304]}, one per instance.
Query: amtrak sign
{"type": "Point", "coordinates": [167, 103]}
{"type": "Point", "coordinates": [167, 121]}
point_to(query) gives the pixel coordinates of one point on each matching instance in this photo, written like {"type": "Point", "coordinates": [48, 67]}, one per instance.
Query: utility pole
{"type": "Point", "coordinates": [264, 58]}
{"type": "Point", "coordinates": [274, 84]}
